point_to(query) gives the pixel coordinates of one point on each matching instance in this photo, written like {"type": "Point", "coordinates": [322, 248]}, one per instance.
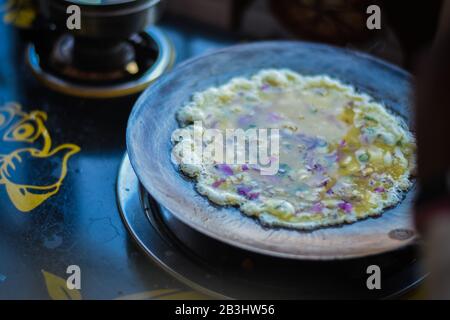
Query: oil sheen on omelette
{"type": "Point", "coordinates": [342, 156]}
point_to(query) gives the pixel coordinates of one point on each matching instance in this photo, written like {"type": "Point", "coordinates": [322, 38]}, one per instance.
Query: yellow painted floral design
{"type": "Point", "coordinates": [165, 294]}
{"type": "Point", "coordinates": [57, 288]}
{"type": "Point", "coordinates": [26, 145]}
{"type": "Point", "coordinates": [20, 13]}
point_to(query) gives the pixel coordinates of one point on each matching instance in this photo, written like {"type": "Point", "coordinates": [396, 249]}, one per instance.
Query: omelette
{"type": "Point", "coordinates": [341, 156]}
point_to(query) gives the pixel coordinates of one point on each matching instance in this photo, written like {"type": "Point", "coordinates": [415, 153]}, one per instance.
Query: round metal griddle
{"type": "Point", "coordinates": [153, 120]}
{"type": "Point", "coordinates": [223, 271]}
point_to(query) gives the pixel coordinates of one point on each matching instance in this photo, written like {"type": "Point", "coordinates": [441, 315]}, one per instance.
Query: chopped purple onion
{"type": "Point", "coordinates": [324, 182]}
{"type": "Point", "coordinates": [317, 207]}
{"type": "Point", "coordinates": [217, 183]}
{"type": "Point", "coordinates": [226, 169]}
{"type": "Point", "coordinates": [253, 195]}
{"type": "Point", "coordinates": [246, 192]}
{"type": "Point", "coordinates": [244, 121]}
{"type": "Point", "coordinates": [318, 167]}
{"type": "Point", "coordinates": [346, 206]}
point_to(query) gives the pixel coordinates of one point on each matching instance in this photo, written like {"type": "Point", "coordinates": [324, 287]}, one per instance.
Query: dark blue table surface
{"type": "Point", "coordinates": [80, 223]}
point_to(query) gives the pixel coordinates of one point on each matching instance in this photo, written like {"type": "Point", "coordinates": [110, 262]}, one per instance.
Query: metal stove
{"type": "Point", "coordinates": [220, 270]}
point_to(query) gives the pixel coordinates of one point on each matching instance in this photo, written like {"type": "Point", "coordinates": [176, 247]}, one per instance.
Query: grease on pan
{"type": "Point", "coordinates": [343, 157]}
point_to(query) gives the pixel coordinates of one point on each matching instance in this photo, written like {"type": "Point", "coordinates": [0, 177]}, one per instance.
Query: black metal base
{"type": "Point", "coordinates": [56, 66]}
{"type": "Point", "coordinates": [220, 270]}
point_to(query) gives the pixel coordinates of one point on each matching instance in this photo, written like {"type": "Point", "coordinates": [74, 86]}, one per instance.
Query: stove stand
{"type": "Point", "coordinates": [222, 271]}
{"type": "Point", "coordinates": [64, 65]}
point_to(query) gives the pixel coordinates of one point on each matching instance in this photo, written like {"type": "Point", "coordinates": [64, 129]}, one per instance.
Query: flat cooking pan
{"type": "Point", "coordinates": [153, 120]}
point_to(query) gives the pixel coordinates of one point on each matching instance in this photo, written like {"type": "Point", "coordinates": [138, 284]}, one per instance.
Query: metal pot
{"type": "Point", "coordinates": [115, 19]}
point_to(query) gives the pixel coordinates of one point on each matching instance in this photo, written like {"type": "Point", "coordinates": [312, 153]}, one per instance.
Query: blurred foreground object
{"type": "Point", "coordinates": [432, 117]}
{"type": "Point", "coordinates": [332, 21]}
{"type": "Point", "coordinates": [216, 13]}
{"type": "Point", "coordinates": [329, 21]}
{"type": "Point", "coordinates": [438, 257]}
{"type": "Point", "coordinates": [415, 25]}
